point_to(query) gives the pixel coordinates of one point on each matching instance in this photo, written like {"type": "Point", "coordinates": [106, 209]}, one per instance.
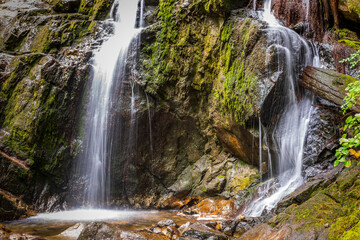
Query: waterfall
{"type": "Point", "coordinates": [109, 65]}
{"type": "Point", "coordinates": [288, 134]}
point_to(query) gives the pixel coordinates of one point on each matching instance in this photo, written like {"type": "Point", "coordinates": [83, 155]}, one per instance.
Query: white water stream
{"type": "Point", "coordinates": [289, 132]}
{"type": "Point", "coordinates": [89, 215]}
{"type": "Point", "coordinates": [109, 71]}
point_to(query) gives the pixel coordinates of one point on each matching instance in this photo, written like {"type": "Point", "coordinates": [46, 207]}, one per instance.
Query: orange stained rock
{"type": "Point", "coordinates": [214, 206]}
{"type": "Point", "coordinates": [175, 202]}
{"type": "Point", "coordinates": [234, 142]}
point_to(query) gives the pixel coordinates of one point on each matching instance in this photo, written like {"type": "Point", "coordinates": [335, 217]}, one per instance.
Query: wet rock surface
{"type": "Point", "coordinates": [102, 230]}
{"type": "Point", "coordinates": [306, 18]}
{"type": "Point", "coordinates": [6, 233]}
{"type": "Point", "coordinates": [12, 207]}
{"type": "Point", "coordinates": [203, 141]}
{"type": "Point", "coordinates": [319, 217]}
{"type": "Point", "coordinates": [43, 69]}
{"type": "Point", "coordinates": [200, 231]}
{"type": "Point", "coordinates": [321, 141]}
{"type": "Point", "coordinates": [98, 231]}
{"type": "Point", "coordinates": [304, 192]}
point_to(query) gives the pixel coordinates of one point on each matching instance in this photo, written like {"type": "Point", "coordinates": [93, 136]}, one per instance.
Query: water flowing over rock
{"type": "Point", "coordinates": [44, 65]}
{"type": "Point", "coordinates": [289, 131]}
{"type": "Point", "coordinates": [202, 113]}
{"type": "Point", "coordinates": [107, 81]}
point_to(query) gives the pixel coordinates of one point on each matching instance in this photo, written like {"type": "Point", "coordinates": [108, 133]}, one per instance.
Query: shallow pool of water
{"type": "Point", "coordinates": [51, 225]}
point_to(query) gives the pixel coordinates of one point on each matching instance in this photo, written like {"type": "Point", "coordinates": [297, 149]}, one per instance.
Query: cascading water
{"type": "Point", "coordinates": [288, 134]}
{"type": "Point", "coordinates": [108, 74]}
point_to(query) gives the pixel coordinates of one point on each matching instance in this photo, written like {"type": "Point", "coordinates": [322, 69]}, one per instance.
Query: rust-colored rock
{"type": "Point", "coordinates": [339, 53]}
{"type": "Point", "coordinates": [214, 206]}
{"type": "Point", "coordinates": [304, 19]}
{"type": "Point", "coordinates": [239, 142]}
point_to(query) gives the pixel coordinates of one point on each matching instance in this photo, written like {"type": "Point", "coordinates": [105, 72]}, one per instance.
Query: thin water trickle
{"type": "Point", "coordinates": [306, 6]}
{"type": "Point", "coordinates": [108, 73]}
{"type": "Point", "coordinates": [270, 165]}
{"type": "Point", "coordinates": [260, 150]}
{"type": "Point", "coordinates": [150, 127]}
{"type": "Point", "coordinates": [289, 132]}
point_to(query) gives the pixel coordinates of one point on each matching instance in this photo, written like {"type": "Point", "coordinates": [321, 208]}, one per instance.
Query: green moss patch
{"type": "Point", "coordinates": [97, 10]}
{"type": "Point", "coordinates": [203, 55]}
{"type": "Point", "coordinates": [348, 38]}
{"type": "Point", "coordinates": [337, 206]}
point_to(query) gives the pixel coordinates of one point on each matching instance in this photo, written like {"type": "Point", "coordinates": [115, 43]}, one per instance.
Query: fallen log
{"type": "Point", "coordinates": [328, 84]}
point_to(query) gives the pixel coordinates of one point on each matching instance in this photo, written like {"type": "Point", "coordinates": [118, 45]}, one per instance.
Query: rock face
{"type": "Point", "coordinates": [44, 66]}
{"type": "Point", "coordinates": [306, 18]}
{"type": "Point", "coordinates": [204, 80]}
{"type": "Point", "coordinates": [203, 107]}
{"type": "Point", "coordinates": [214, 72]}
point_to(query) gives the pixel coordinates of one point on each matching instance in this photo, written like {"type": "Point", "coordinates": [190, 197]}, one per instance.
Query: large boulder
{"type": "Point", "coordinates": [200, 231]}
{"type": "Point", "coordinates": [350, 9]}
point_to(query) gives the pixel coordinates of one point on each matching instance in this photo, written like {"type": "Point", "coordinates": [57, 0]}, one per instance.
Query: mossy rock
{"type": "Point", "coordinates": [95, 9]}
{"type": "Point", "coordinates": [331, 212]}
{"type": "Point", "coordinates": [348, 38]}
{"type": "Point", "coordinates": [67, 6]}
{"type": "Point", "coordinates": [350, 10]}
{"type": "Point", "coordinates": [204, 54]}
{"type": "Point", "coordinates": [353, 233]}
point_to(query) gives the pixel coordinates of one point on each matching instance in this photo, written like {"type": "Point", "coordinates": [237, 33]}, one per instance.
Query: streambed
{"type": "Point", "coordinates": [68, 225]}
